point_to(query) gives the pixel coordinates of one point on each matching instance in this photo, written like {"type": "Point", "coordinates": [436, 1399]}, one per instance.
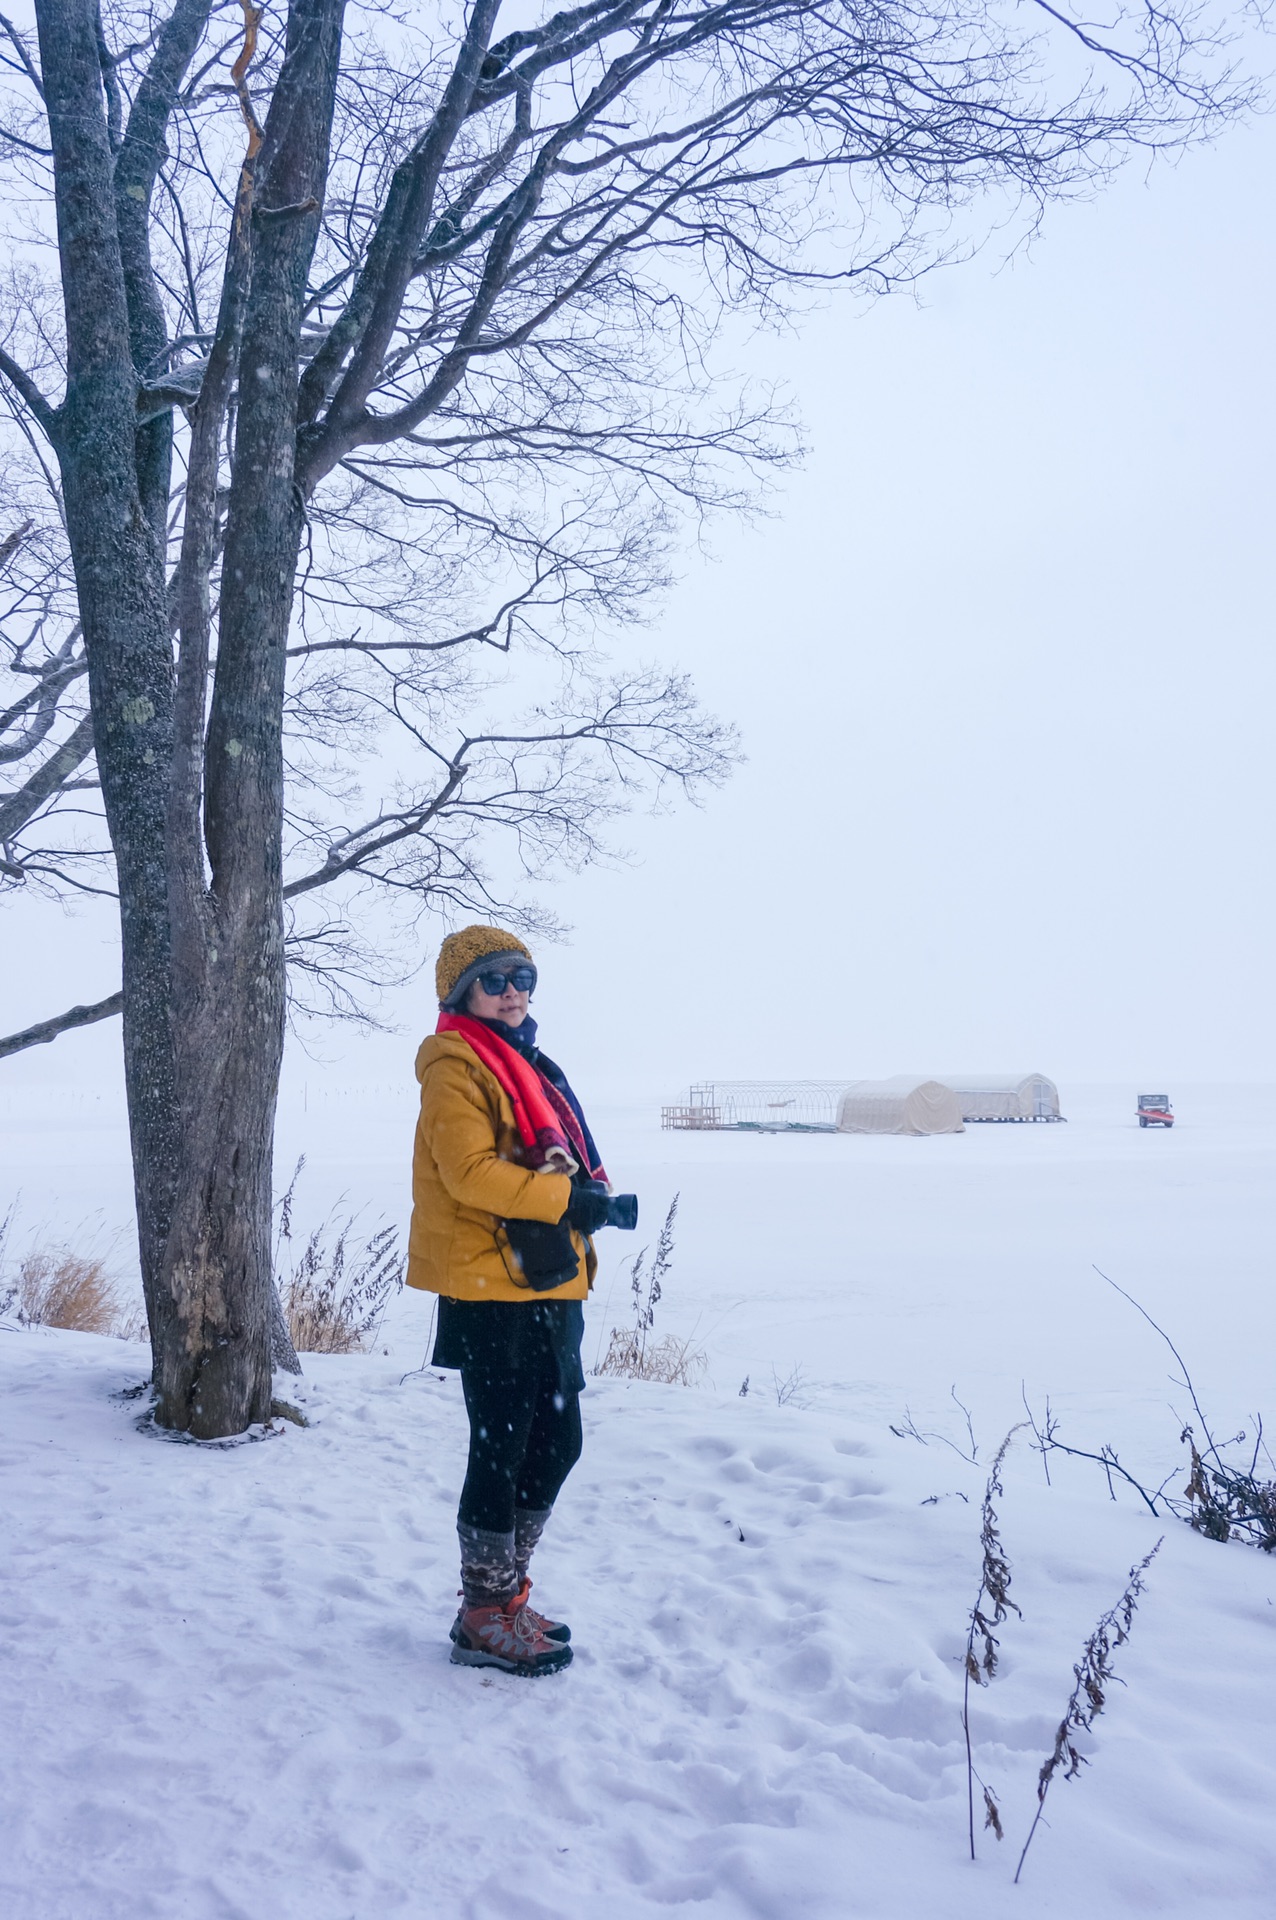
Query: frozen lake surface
{"type": "Point", "coordinates": [887, 1270]}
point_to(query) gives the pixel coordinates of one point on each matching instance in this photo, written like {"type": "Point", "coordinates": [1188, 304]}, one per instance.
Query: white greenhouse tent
{"type": "Point", "coordinates": [983, 1096]}
{"type": "Point", "coordinates": [902, 1105]}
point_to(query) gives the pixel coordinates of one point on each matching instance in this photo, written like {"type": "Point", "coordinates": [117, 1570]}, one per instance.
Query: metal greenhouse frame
{"type": "Point", "coordinates": [757, 1106]}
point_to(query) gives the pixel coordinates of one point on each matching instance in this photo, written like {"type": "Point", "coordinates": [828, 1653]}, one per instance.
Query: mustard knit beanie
{"type": "Point", "coordinates": [464, 955]}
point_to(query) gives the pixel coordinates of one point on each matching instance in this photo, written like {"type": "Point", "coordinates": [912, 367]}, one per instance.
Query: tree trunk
{"type": "Point", "coordinates": [119, 572]}
{"type": "Point", "coordinates": [218, 1261]}
{"type": "Point", "coordinates": [214, 1376]}
{"type": "Point", "coordinates": [203, 966]}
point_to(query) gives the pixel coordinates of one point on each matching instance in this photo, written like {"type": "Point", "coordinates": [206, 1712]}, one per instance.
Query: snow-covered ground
{"type": "Point", "coordinates": [225, 1683]}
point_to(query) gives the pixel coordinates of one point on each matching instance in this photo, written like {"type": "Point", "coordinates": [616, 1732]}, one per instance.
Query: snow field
{"type": "Point", "coordinates": [227, 1693]}
{"type": "Point", "coordinates": [224, 1678]}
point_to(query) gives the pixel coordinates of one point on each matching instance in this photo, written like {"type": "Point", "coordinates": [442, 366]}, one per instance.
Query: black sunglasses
{"type": "Point", "coordinates": [522, 979]}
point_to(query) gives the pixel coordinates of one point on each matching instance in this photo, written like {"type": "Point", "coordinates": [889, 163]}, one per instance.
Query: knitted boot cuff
{"type": "Point", "coordinates": [529, 1525]}
{"type": "Point", "coordinates": [488, 1575]}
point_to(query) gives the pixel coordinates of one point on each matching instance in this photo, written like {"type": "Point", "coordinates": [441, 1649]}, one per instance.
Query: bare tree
{"type": "Point", "coordinates": [361, 318]}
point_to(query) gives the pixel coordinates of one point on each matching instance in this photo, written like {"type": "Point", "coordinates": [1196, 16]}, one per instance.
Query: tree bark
{"type": "Point", "coordinates": [218, 1261]}
{"type": "Point", "coordinates": [119, 572]}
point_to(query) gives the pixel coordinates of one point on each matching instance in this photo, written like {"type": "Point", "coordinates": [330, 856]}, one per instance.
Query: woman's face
{"type": "Point", "coordinates": [510, 1006]}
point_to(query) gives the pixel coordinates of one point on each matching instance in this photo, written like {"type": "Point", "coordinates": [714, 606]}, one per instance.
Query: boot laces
{"type": "Point", "coordinates": [539, 1621]}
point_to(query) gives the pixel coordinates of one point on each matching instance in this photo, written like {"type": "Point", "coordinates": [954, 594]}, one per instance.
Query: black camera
{"type": "Point", "coordinates": [622, 1208]}
{"type": "Point", "coordinates": [622, 1211]}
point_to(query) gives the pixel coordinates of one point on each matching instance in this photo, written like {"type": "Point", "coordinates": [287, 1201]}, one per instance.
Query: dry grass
{"type": "Point", "coordinates": [631, 1357]}
{"type": "Point", "coordinates": [633, 1353]}
{"type": "Point", "coordinates": [336, 1293]}
{"type": "Point", "coordinates": [58, 1288]}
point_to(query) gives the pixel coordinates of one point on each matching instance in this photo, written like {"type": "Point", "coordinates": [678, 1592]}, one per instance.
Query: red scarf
{"type": "Point", "coordinates": [548, 1129]}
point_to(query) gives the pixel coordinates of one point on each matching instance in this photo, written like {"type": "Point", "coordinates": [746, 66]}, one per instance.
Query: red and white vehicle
{"type": "Point", "coordinates": [1154, 1110]}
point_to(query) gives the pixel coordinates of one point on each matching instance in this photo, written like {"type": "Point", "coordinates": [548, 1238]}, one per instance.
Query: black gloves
{"type": "Point", "coordinates": [588, 1208]}
{"type": "Point", "coordinates": [544, 1253]}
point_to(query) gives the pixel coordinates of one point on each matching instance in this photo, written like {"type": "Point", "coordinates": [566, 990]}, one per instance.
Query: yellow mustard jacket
{"type": "Point", "coordinates": [466, 1179]}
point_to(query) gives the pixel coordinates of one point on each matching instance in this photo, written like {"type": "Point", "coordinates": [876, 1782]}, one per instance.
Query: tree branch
{"type": "Point", "coordinates": [142, 151]}
{"type": "Point", "coordinates": [408, 824]}
{"type": "Point", "coordinates": [20, 48]}
{"type": "Point", "coordinates": [22, 383]}
{"type": "Point", "coordinates": [44, 696]}
{"type": "Point", "coordinates": [62, 1023]}
{"type": "Point", "coordinates": [377, 298]}
{"type": "Point", "coordinates": [19, 807]}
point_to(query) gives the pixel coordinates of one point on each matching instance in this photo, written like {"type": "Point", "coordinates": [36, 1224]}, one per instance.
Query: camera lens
{"type": "Point", "coordinates": [622, 1211]}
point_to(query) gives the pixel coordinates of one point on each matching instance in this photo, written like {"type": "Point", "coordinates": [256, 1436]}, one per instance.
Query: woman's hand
{"type": "Point", "coordinates": [588, 1208]}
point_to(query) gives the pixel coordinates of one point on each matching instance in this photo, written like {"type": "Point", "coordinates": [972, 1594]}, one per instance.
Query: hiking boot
{"type": "Point", "coordinates": [551, 1629]}
{"type": "Point", "coordinates": [507, 1637]}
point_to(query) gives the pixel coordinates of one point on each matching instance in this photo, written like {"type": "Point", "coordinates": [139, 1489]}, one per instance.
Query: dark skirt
{"type": "Point", "coordinates": [508, 1337]}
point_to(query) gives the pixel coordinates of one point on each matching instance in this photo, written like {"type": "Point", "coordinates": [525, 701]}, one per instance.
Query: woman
{"type": "Point", "coordinates": [507, 1188]}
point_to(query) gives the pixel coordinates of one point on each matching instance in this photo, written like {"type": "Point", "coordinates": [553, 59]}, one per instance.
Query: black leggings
{"type": "Point", "coordinates": [525, 1439]}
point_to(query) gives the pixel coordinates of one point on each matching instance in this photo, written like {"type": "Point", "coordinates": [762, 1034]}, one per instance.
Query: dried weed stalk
{"type": "Point", "coordinates": [8, 1294]}
{"type": "Point", "coordinates": [908, 1429]}
{"type": "Point", "coordinates": [1093, 1676]}
{"type": "Point", "coordinates": [1048, 1442]}
{"type": "Point", "coordinates": [335, 1295]}
{"type": "Point", "coordinates": [1226, 1502]}
{"type": "Point", "coordinates": [1223, 1499]}
{"type": "Point", "coordinates": [791, 1391]}
{"type": "Point", "coordinates": [992, 1605]}
{"type": "Point", "coordinates": [633, 1353]}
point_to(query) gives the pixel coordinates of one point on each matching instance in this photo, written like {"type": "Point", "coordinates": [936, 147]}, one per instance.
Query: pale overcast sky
{"type": "Point", "coordinates": [1003, 669]}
